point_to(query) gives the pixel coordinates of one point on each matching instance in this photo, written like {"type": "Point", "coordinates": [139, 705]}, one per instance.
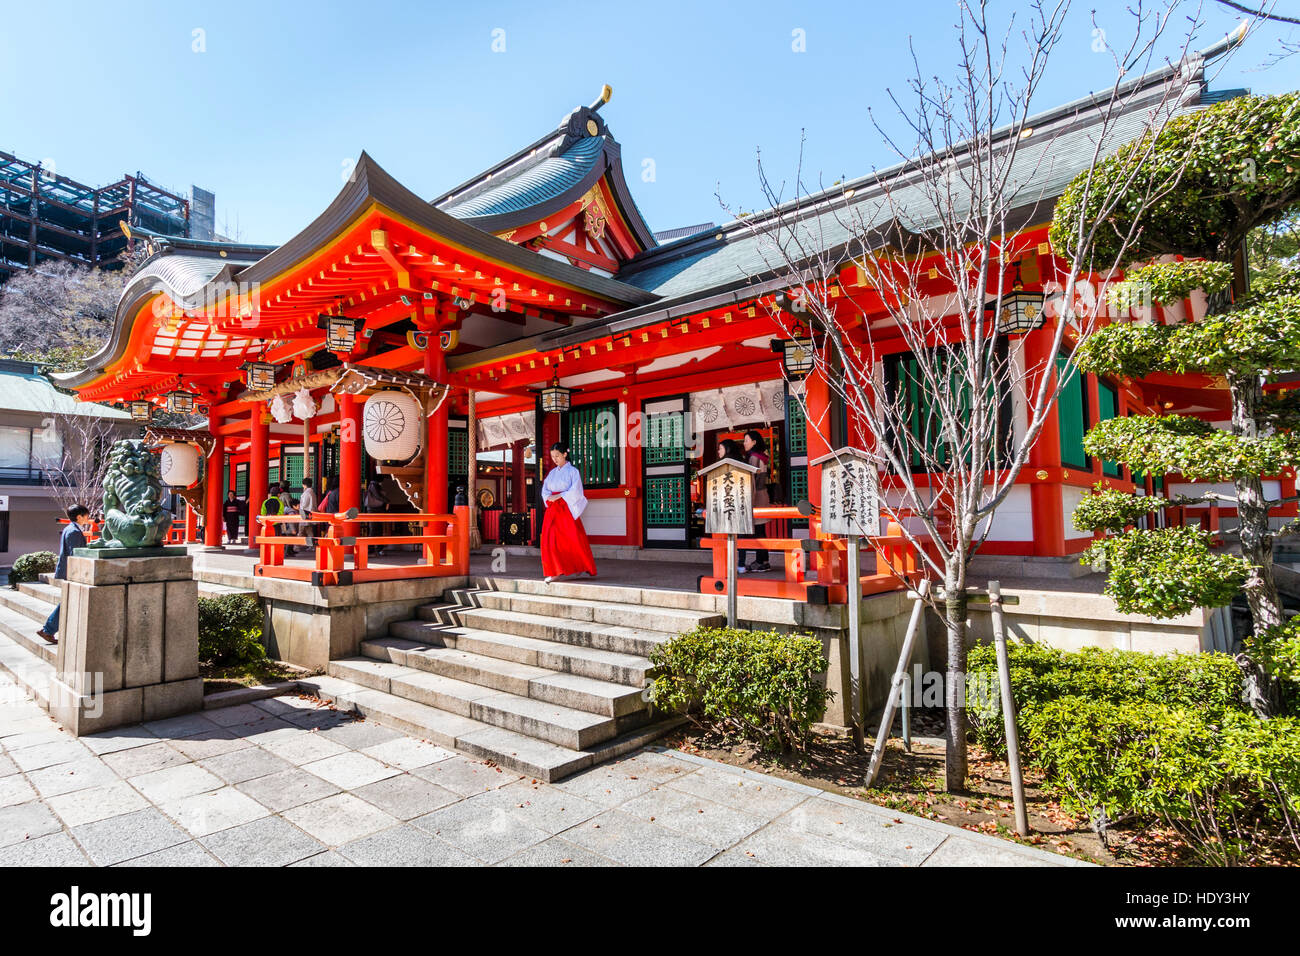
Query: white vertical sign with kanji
{"type": "Point", "coordinates": [728, 497]}
{"type": "Point", "coordinates": [850, 493]}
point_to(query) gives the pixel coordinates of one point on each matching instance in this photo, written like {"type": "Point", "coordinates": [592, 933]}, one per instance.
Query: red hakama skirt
{"type": "Point", "coordinates": [564, 543]}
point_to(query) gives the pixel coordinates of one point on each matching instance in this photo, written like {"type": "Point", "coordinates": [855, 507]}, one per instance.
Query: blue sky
{"type": "Point", "coordinates": [282, 95]}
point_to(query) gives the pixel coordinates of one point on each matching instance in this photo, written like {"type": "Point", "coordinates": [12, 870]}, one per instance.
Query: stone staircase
{"type": "Point", "coordinates": [542, 679]}
{"type": "Point", "coordinates": [28, 658]}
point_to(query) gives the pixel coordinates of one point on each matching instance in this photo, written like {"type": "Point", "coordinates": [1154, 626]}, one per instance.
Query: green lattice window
{"type": "Point", "coordinates": [457, 451]}
{"type": "Point", "coordinates": [912, 387]}
{"type": "Point", "coordinates": [593, 439]}
{"type": "Point", "coordinates": [1108, 407]}
{"type": "Point", "coordinates": [664, 438]}
{"type": "Point", "coordinates": [292, 463]}
{"type": "Point", "coordinates": [241, 480]}
{"type": "Point", "coordinates": [1072, 418]}
{"type": "Point", "coordinates": [798, 492]}
{"type": "Point", "coordinates": [796, 426]}
{"type": "Point", "coordinates": [272, 474]}
{"type": "Point", "coordinates": [665, 501]}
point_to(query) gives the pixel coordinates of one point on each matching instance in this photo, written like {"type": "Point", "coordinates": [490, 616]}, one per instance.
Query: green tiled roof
{"type": "Point", "coordinates": [1046, 162]}
{"type": "Point", "coordinates": [534, 185]}
{"type": "Point", "coordinates": [30, 392]}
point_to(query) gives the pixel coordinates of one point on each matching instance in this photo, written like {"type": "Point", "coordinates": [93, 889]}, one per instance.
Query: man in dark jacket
{"type": "Point", "coordinates": [74, 536]}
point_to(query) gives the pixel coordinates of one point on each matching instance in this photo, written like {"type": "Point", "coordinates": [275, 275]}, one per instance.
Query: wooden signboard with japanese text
{"type": "Point", "coordinates": [728, 497]}
{"type": "Point", "coordinates": [850, 493]}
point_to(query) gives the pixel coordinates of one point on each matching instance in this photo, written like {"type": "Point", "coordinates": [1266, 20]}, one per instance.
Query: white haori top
{"type": "Point", "coordinates": [566, 481]}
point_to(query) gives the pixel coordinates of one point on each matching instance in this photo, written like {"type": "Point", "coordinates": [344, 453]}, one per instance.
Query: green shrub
{"type": "Point", "coordinates": [1278, 653]}
{"type": "Point", "coordinates": [230, 630]}
{"type": "Point", "coordinates": [1211, 683]}
{"type": "Point", "coordinates": [1230, 785]}
{"type": "Point", "coordinates": [30, 567]}
{"type": "Point", "coordinates": [761, 684]}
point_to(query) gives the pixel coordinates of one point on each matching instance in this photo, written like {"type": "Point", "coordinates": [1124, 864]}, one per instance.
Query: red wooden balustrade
{"type": "Point", "coordinates": [442, 555]}
{"type": "Point", "coordinates": [895, 559]}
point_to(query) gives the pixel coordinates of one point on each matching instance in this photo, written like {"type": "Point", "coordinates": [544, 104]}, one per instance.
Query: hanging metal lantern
{"type": "Point", "coordinates": [555, 397]}
{"type": "Point", "coordinates": [180, 402]}
{"type": "Point", "coordinates": [180, 464]}
{"type": "Point", "coordinates": [261, 375]}
{"type": "Point", "coordinates": [340, 333]}
{"type": "Point", "coordinates": [393, 426]}
{"type": "Point", "coordinates": [141, 411]}
{"type": "Point", "coordinates": [1021, 312]}
{"type": "Point", "coordinates": [797, 356]}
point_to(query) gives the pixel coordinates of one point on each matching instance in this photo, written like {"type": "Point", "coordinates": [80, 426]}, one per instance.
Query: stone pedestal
{"type": "Point", "coordinates": [129, 642]}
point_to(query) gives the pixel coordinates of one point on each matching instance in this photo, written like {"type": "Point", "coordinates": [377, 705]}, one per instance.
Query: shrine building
{"type": "Point", "coordinates": [533, 303]}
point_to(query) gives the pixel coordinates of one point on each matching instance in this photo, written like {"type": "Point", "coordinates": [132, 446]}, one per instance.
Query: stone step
{"type": "Point", "coordinates": [241, 580]}
{"type": "Point", "coordinates": [601, 697]}
{"type": "Point", "coordinates": [598, 611]}
{"type": "Point", "coordinates": [51, 594]}
{"type": "Point", "coordinates": [22, 631]}
{"type": "Point", "coordinates": [554, 723]}
{"type": "Point", "coordinates": [33, 673]}
{"type": "Point", "coordinates": [606, 594]}
{"type": "Point", "coordinates": [543, 627]}
{"type": "Point", "coordinates": [629, 669]}
{"type": "Point", "coordinates": [33, 608]}
{"type": "Point", "coordinates": [544, 761]}
{"type": "Point", "coordinates": [209, 590]}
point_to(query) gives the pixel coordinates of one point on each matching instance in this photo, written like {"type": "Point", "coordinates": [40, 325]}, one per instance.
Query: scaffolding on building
{"type": "Point", "coordinates": [46, 216]}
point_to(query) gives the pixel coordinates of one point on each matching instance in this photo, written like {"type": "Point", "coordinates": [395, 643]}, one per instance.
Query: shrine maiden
{"type": "Point", "coordinates": [564, 541]}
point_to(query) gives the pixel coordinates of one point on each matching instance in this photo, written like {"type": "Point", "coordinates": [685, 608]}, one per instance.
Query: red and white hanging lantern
{"type": "Point", "coordinates": [392, 425]}
{"type": "Point", "coordinates": [180, 464]}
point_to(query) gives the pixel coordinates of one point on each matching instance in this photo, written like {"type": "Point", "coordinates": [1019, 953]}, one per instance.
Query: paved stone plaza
{"type": "Point", "coordinates": [283, 782]}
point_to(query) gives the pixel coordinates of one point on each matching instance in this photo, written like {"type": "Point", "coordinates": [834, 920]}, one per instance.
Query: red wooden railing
{"type": "Point", "coordinates": [896, 558]}
{"type": "Point", "coordinates": [442, 555]}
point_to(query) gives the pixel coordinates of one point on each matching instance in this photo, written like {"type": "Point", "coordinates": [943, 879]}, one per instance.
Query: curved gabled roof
{"type": "Point", "coordinates": [192, 274]}
{"type": "Point", "coordinates": [547, 175]}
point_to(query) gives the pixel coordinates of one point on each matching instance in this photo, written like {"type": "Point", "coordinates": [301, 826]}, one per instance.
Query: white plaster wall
{"type": "Point", "coordinates": [1070, 497]}
{"type": "Point", "coordinates": [1013, 521]}
{"type": "Point", "coordinates": [605, 516]}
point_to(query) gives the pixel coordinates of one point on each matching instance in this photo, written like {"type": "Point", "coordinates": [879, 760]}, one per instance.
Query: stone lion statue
{"type": "Point", "coordinates": [133, 513]}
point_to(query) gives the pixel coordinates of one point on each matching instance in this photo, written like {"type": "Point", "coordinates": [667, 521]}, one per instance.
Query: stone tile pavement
{"type": "Point", "coordinates": [284, 783]}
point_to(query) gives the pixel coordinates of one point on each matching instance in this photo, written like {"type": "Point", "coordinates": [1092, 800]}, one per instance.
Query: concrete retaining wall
{"type": "Point", "coordinates": [310, 626]}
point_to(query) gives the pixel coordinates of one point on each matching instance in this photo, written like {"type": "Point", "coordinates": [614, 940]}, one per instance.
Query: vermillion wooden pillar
{"type": "Point", "coordinates": [435, 473]}
{"type": "Point", "coordinates": [349, 453]}
{"type": "Point", "coordinates": [212, 524]}
{"type": "Point", "coordinates": [817, 397]}
{"type": "Point", "coordinates": [1043, 466]}
{"type": "Point", "coordinates": [259, 439]}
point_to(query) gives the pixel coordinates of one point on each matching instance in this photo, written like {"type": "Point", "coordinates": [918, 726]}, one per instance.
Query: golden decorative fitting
{"type": "Point", "coordinates": [1041, 475]}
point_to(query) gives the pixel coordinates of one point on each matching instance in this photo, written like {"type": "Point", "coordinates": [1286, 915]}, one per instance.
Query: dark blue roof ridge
{"type": "Point", "coordinates": [572, 128]}
{"type": "Point", "coordinates": [168, 244]}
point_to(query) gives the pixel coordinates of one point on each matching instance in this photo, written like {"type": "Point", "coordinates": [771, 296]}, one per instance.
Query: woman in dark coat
{"type": "Point", "coordinates": [755, 453]}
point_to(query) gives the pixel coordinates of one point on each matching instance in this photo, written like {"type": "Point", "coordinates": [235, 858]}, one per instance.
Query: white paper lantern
{"type": "Point", "coordinates": [392, 425]}
{"type": "Point", "coordinates": [180, 464]}
{"type": "Point", "coordinates": [280, 409]}
{"type": "Point", "coordinates": [303, 406]}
